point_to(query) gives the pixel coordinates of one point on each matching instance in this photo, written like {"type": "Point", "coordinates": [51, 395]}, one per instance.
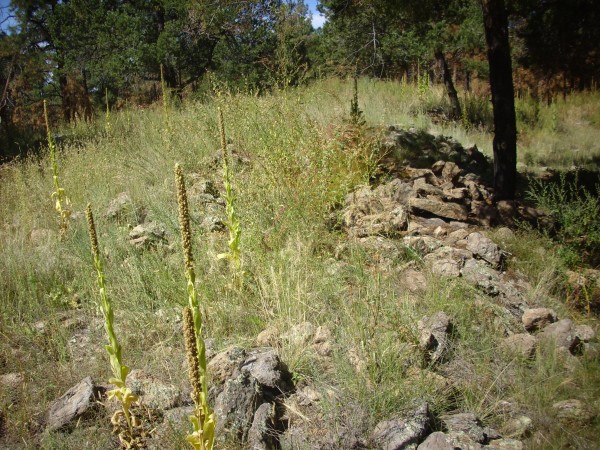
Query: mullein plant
{"type": "Point", "coordinates": [128, 431]}
{"type": "Point", "coordinates": [356, 115]}
{"type": "Point", "coordinates": [232, 223]}
{"type": "Point", "coordinates": [165, 105]}
{"type": "Point", "coordinates": [61, 201]}
{"type": "Point", "coordinates": [203, 422]}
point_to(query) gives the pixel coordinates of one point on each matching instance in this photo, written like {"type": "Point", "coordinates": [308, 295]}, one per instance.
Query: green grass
{"type": "Point", "coordinates": [301, 161]}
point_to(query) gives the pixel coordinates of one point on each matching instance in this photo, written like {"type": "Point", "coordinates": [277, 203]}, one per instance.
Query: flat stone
{"type": "Point", "coordinates": [537, 318]}
{"type": "Point", "coordinates": [439, 208]}
{"type": "Point", "coordinates": [72, 405]}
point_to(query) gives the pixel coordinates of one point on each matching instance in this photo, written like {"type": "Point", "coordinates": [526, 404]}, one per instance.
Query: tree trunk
{"type": "Point", "coordinates": [495, 22]}
{"type": "Point", "coordinates": [450, 89]}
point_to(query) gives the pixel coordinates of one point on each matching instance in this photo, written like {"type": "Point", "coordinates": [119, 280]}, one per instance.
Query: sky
{"type": "Point", "coordinates": [317, 19]}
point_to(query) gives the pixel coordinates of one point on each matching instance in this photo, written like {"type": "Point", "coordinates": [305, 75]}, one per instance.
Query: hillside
{"type": "Point", "coordinates": [383, 300]}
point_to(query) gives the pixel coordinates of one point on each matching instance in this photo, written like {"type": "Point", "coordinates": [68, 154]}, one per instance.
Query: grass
{"type": "Point", "coordinates": [293, 158]}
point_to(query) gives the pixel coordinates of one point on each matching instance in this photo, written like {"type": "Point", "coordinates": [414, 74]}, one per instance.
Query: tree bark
{"type": "Point", "coordinates": [450, 89]}
{"type": "Point", "coordinates": [495, 22]}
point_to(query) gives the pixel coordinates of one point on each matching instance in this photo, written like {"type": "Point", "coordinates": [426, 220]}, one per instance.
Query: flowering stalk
{"type": "Point", "coordinates": [202, 438]}
{"type": "Point", "coordinates": [62, 202]}
{"type": "Point", "coordinates": [232, 223]}
{"type": "Point", "coordinates": [121, 392]}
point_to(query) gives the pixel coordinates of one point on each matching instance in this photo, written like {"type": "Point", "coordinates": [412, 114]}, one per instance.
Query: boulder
{"type": "Point", "coordinates": [268, 370]}
{"type": "Point", "coordinates": [224, 364]}
{"type": "Point", "coordinates": [466, 423]}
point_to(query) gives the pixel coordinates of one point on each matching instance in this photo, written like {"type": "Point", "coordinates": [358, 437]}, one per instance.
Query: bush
{"type": "Point", "coordinates": [575, 210]}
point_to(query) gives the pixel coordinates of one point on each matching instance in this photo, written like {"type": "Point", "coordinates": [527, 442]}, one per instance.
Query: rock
{"type": "Point", "coordinates": [236, 405]}
{"type": "Point", "coordinates": [434, 335]}
{"type": "Point", "coordinates": [450, 172]}
{"type": "Point", "coordinates": [299, 334]}
{"type": "Point", "coordinates": [504, 234]}
{"type": "Point", "coordinates": [152, 392]}
{"type": "Point", "coordinates": [423, 245]}
{"type": "Point", "coordinates": [572, 411]}
{"type": "Point", "coordinates": [455, 194]}
{"type": "Point", "coordinates": [436, 441]}
{"type": "Point", "coordinates": [563, 334]}
{"type": "Point", "coordinates": [445, 267]}
{"type": "Point", "coordinates": [204, 191]}
{"type": "Point", "coordinates": [481, 276]}
{"type": "Point", "coordinates": [269, 371]}
{"type": "Point", "coordinates": [322, 341]}
{"type": "Point", "coordinates": [466, 423]}
{"type": "Point", "coordinates": [212, 224]}
{"type": "Point", "coordinates": [263, 432]}
{"type": "Point", "coordinates": [224, 364]}
{"type": "Point", "coordinates": [377, 212]}
{"type": "Point", "coordinates": [505, 444]}
{"type": "Point", "coordinates": [518, 427]}
{"type": "Point", "coordinates": [484, 248]}
{"type": "Point", "coordinates": [269, 337]}
{"type": "Point", "coordinates": [148, 234]}
{"type": "Point", "coordinates": [447, 261]}
{"type": "Point", "coordinates": [403, 433]}
{"type": "Point", "coordinates": [585, 333]}
{"type": "Point", "coordinates": [484, 212]}
{"type": "Point", "coordinates": [76, 403]}
{"type": "Point", "coordinates": [522, 344]}
{"type": "Point", "coordinates": [456, 235]}
{"type": "Point", "coordinates": [11, 381]}
{"type": "Point", "coordinates": [120, 207]}
{"type": "Point", "coordinates": [439, 208]}
{"type": "Point", "coordinates": [414, 281]}
{"type": "Point", "coordinates": [422, 188]}
{"type": "Point", "coordinates": [537, 318]}
{"type": "Point", "coordinates": [507, 212]}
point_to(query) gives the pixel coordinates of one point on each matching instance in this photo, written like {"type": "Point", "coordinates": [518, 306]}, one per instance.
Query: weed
{"type": "Point", "coordinates": [62, 202]}
{"type": "Point", "coordinates": [202, 438]}
{"type": "Point", "coordinates": [128, 434]}
{"type": "Point", "coordinates": [575, 210]}
{"type": "Point", "coordinates": [233, 222]}
{"type": "Point", "coordinates": [356, 115]}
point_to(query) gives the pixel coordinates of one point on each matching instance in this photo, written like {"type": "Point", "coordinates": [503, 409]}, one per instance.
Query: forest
{"type": "Point", "coordinates": [85, 55]}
